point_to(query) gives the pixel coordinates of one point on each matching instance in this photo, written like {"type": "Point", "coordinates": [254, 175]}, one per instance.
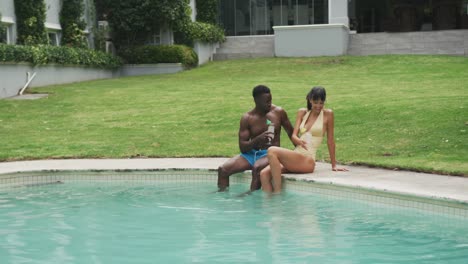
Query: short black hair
{"type": "Point", "coordinates": [316, 93]}
{"type": "Point", "coordinates": [259, 90]}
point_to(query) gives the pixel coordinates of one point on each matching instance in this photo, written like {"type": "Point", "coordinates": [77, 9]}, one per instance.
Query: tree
{"type": "Point", "coordinates": [73, 25]}
{"type": "Point", "coordinates": [30, 19]}
{"type": "Point", "coordinates": [133, 21]}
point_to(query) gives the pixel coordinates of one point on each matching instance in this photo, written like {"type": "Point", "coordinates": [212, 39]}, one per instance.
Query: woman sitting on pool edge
{"type": "Point", "coordinates": [311, 124]}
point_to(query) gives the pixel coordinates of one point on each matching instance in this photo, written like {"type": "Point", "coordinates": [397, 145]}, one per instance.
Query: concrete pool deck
{"type": "Point", "coordinates": [402, 182]}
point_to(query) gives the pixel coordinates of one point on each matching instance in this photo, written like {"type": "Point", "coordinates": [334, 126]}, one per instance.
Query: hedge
{"type": "Point", "coordinates": [208, 33]}
{"type": "Point", "coordinates": [45, 54]}
{"type": "Point", "coordinates": [160, 54]}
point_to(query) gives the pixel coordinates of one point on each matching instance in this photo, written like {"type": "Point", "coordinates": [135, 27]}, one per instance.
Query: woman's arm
{"type": "Point", "coordinates": [331, 140]}
{"type": "Point", "coordinates": [295, 135]}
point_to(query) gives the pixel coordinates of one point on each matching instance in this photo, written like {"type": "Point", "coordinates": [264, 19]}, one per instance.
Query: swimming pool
{"type": "Point", "coordinates": [174, 216]}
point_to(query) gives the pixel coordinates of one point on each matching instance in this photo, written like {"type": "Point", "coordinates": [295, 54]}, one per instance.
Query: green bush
{"type": "Point", "coordinates": [207, 11]}
{"type": "Point", "coordinates": [134, 21]}
{"type": "Point", "coordinates": [160, 54]}
{"type": "Point", "coordinates": [30, 19]}
{"type": "Point", "coordinates": [206, 32]}
{"type": "Point", "coordinates": [45, 54]}
{"type": "Point", "coordinates": [72, 23]}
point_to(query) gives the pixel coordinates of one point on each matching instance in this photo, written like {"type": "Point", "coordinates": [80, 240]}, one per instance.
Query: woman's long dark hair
{"type": "Point", "coordinates": [317, 93]}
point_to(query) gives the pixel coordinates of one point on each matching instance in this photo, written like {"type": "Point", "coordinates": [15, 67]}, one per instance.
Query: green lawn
{"type": "Point", "coordinates": [408, 112]}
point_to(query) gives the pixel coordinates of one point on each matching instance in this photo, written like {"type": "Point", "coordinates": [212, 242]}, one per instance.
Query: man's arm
{"type": "Point", "coordinates": [245, 144]}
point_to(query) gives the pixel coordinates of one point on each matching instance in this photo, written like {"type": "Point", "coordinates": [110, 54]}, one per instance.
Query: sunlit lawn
{"type": "Point", "coordinates": [407, 112]}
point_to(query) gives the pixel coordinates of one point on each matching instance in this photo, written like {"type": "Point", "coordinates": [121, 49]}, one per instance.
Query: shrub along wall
{"type": "Point", "coordinates": [45, 54]}
{"type": "Point", "coordinates": [160, 54]}
{"type": "Point", "coordinates": [207, 33]}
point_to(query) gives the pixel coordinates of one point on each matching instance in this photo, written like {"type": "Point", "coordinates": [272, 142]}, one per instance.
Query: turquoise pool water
{"type": "Point", "coordinates": [117, 222]}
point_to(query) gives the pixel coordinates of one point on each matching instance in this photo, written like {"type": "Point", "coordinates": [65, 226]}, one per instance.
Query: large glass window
{"type": "Point", "coordinates": [257, 17]}
{"type": "Point", "coordinates": [407, 15]}
{"type": "Point", "coordinates": [260, 18]}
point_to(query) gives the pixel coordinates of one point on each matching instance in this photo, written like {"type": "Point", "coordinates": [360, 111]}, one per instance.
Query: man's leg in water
{"type": "Point", "coordinates": [231, 166]}
{"type": "Point", "coordinates": [257, 168]}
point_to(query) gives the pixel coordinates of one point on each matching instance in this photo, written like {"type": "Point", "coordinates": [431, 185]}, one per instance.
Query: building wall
{"type": "Point", "coordinates": [52, 24]}
{"type": "Point", "coordinates": [53, 14]}
{"type": "Point", "coordinates": [14, 76]}
{"type": "Point", "coordinates": [446, 42]}
{"type": "Point", "coordinates": [7, 8]}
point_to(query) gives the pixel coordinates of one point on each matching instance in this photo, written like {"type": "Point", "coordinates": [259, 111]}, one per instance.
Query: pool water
{"type": "Point", "coordinates": [186, 222]}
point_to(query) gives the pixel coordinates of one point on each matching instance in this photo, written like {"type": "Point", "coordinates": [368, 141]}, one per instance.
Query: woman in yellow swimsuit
{"type": "Point", "coordinates": [311, 125]}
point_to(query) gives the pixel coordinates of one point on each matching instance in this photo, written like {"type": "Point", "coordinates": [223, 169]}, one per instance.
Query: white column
{"type": "Point", "coordinates": [338, 12]}
{"type": "Point", "coordinates": [193, 6]}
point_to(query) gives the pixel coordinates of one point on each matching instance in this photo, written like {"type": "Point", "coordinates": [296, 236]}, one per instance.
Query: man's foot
{"type": "Point", "coordinates": [223, 189]}
{"type": "Point", "coordinates": [223, 183]}
{"type": "Point", "coordinates": [244, 194]}
{"type": "Point", "coordinates": [256, 184]}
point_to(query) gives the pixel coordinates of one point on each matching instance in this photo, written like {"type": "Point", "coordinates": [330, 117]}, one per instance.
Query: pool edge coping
{"type": "Point", "coordinates": [372, 181]}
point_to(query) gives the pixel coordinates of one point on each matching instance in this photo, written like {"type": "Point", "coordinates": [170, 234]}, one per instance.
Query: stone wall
{"type": "Point", "coordinates": [446, 42]}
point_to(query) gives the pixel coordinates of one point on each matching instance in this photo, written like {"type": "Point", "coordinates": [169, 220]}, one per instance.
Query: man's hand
{"type": "Point", "coordinates": [263, 140]}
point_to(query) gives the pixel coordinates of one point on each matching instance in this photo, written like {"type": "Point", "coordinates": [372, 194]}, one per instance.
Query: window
{"type": "Point", "coordinates": [257, 17]}
{"type": "Point", "coordinates": [5, 33]}
{"type": "Point", "coordinates": [154, 39]}
{"type": "Point", "coordinates": [53, 38]}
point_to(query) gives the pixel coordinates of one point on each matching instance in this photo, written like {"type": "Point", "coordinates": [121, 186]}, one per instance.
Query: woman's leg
{"type": "Point", "coordinates": [265, 178]}
{"type": "Point", "coordinates": [285, 159]}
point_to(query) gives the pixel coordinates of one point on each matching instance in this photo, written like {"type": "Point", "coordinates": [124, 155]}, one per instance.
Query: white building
{"type": "Point", "coordinates": [299, 24]}
{"type": "Point", "coordinates": [52, 24]}
{"type": "Point", "coordinates": [54, 30]}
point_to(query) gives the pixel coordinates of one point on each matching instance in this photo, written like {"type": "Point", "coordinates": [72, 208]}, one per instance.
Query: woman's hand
{"type": "Point", "coordinates": [334, 168]}
{"type": "Point", "coordinates": [300, 143]}
{"type": "Point", "coordinates": [303, 144]}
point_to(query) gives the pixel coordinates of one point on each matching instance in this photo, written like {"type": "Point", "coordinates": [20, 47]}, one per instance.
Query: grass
{"type": "Point", "coordinates": [405, 112]}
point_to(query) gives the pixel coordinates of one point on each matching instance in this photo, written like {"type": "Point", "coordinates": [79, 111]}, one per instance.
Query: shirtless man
{"type": "Point", "coordinates": [254, 139]}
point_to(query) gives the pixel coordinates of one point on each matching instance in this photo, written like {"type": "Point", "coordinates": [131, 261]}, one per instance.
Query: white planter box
{"type": "Point", "coordinates": [311, 40]}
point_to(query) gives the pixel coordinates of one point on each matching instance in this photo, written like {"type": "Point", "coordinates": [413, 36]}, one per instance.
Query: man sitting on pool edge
{"type": "Point", "coordinates": [254, 139]}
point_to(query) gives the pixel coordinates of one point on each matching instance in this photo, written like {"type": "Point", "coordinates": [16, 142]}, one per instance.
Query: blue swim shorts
{"type": "Point", "coordinates": [253, 155]}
